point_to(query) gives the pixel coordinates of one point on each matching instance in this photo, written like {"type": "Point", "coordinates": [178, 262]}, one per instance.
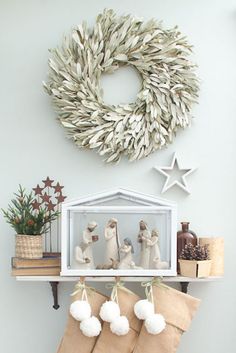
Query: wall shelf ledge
{"type": "Point", "coordinates": [55, 280]}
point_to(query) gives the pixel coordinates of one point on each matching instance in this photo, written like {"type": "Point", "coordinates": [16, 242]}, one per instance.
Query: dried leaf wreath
{"type": "Point", "coordinates": [169, 85]}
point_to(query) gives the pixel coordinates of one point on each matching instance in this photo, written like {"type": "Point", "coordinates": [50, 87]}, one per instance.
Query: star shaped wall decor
{"type": "Point", "coordinates": [171, 180]}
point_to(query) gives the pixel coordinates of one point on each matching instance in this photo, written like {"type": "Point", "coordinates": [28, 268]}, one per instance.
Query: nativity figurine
{"type": "Point", "coordinates": [112, 241]}
{"type": "Point", "coordinates": [89, 238]}
{"type": "Point", "coordinates": [127, 251]}
{"type": "Point", "coordinates": [113, 265]}
{"type": "Point", "coordinates": [81, 260]}
{"type": "Point", "coordinates": [155, 254]}
{"type": "Point", "coordinates": [144, 237]}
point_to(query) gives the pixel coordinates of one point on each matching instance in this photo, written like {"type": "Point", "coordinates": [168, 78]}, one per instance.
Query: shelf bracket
{"type": "Point", "coordinates": [54, 287]}
{"type": "Point", "coordinates": [184, 287]}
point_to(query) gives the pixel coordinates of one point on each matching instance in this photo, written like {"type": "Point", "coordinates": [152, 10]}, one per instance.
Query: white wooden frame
{"type": "Point", "coordinates": [147, 204]}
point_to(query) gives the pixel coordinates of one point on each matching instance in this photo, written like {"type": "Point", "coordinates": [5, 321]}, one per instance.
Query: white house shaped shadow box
{"type": "Point", "coordinates": [118, 233]}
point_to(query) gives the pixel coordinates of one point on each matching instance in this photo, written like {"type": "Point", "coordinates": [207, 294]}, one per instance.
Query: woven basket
{"type": "Point", "coordinates": [29, 246]}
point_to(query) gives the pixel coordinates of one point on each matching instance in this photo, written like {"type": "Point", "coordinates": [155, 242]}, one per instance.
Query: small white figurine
{"type": "Point", "coordinates": [81, 261]}
{"type": "Point", "coordinates": [144, 237]}
{"type": "Point", "coordinates": [127, 250]}
{"type": "Point", "coordinates": [155, 254]}
{"type": "Point", "coordinates": [112, 265]}
{"type": "Point", "coordinates": [88, 239]}
{"type": "Point", "coordinates": [133, 266]}
{"type": "Point", "coordinates": [112, 241]}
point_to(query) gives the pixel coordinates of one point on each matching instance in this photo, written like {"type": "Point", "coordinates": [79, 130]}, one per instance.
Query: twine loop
{"type": "Point", "coordinates": [148, 285]}
{"type": "Point", "coordinates": [82, 287]}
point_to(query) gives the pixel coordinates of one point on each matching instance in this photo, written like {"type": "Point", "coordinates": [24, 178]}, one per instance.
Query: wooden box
{"type": "Point", "coordinates": [195, 269]}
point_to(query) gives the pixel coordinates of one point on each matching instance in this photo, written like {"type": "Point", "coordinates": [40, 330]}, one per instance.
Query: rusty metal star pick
{"type": "Point", "coordinates": [36, 205]}
{"type": "Point", "coordinates": [38, 190]}
{"type": "Point", "coordinates": [60, 198]}
{"type": "Point", "coordinates": [45, 197]}
{"type": "Point", "coordinates": [58, 187]}
{"type": "Point", "coordinates": [51, 206]}
{"type": "Point", "coordinates": [48, 182]}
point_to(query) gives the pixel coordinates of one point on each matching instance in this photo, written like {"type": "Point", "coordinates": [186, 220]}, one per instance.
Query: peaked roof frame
{"type": "Point", "coordinates": [130, 195]}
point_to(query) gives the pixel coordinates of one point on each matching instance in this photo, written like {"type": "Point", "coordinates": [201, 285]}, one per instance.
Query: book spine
{"type": "Point", "coordinates": [40, 263]}
{"type": "Point", "coordinates": [36, 272]}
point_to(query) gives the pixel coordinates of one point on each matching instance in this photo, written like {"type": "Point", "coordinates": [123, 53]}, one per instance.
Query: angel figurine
{"type": "Point", "coordinates": [88, 239]}
{"type": "Point", "coordinates": [112, 241]}
{"type": "Point", "coordinates": [144, 237]}
{"type": "Point", "coordinates": [127, 250]}
{"type": "Point", "coordinates": [155, 254]}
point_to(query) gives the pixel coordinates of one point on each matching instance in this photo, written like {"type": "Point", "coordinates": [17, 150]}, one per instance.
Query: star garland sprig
{"type": "Point", "coordinates": [49, 195]}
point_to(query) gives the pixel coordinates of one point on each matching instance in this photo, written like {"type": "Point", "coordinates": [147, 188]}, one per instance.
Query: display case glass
{"type": "Point", "coordinates": [119, 233]}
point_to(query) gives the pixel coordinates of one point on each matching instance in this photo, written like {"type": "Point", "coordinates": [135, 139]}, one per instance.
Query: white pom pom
{"type": "Point", "coordinates": [143, 309]}
{"type": "Point", "coordinates": [109, 311]}
{"type": "Point", "coordinates": [91, 327]}
{"type": "Point", "coordinates": [155, 324]}
{"type": "Point", "coordinates": [120, 326]}
{"type": "Point", "coordinates": [80, 310]}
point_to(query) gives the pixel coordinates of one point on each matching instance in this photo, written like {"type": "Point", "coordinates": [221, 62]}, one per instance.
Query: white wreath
{"type": "Point", "coordinates": [169, 86]}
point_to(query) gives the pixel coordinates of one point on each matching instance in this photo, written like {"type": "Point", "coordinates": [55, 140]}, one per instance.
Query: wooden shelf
{"type": "Point", "coordinates": [109, 279]}
{"type": "Point", "coordinates": [55, 280]}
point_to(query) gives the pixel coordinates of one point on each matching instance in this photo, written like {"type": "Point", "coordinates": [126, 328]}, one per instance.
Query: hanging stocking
{"type": "Point", "coordinates": [145, 310]}
{"type": "Point", "coordinates": [177, 309]}
{"type": "Point", "coordinates": [81, 311]}
{"type": "Point", "coordinates": [85, 308]}
{"type": "Point", "coordinates": [116, 335]}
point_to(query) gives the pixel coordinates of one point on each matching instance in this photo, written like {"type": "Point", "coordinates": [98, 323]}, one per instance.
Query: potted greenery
{"type": "Point", "coordinates": [194, 261]}
{"type": "Point", "coordinates": [30, 224]}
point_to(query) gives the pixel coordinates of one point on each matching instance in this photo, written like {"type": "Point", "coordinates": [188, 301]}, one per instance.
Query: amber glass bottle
{"type": "Point", "coordinates": [184, 236]}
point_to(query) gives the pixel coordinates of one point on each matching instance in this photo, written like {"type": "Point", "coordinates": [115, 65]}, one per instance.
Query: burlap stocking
{"type": "Point", "coordinates": [111, 343]}
{"type": "Point", "coordinates": [178, 310]}
{"type": "Point", "coordinates": [73, 340]}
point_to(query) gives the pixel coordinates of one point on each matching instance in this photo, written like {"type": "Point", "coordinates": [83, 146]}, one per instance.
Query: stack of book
{"type": "Point", "coordinates": [49, 265]}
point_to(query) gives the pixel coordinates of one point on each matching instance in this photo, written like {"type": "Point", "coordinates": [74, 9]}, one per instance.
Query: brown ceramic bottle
{"type": "Point", "coordinates": [184, 236]}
